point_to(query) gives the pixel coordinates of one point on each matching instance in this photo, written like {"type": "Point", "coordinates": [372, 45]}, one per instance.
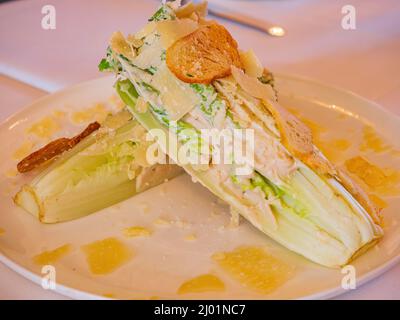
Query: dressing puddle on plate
{"type": "Point", "coordinates": [254, 268]}
{"type": "Point", "coordinates": [52, 256]}
{"type": "Point", "coordinates": [201, 284]}
{"type": "Point", "coordinates": [105, 256]}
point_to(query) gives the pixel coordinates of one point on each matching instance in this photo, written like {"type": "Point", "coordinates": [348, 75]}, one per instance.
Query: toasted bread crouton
{"type": "Point", "coordinates": [204, 55]}
{"type": "Point", "coordinates": [54, 149]}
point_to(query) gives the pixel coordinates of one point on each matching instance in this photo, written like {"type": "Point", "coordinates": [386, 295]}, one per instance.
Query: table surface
{"type": "Point", "coordinates": [34, 61]}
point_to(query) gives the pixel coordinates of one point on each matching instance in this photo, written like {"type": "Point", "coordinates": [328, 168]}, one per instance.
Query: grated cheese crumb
{"type": "Point", "coordinates": [96, 113]}
{"type": "Point", "coordinates": [162, 222]}
{"type": "Point", "coordinates": [190, 237]}
{"type": "Point", "coordinates": [137, 231]}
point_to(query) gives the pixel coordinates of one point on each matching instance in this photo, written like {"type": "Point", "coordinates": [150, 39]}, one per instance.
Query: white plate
{"type": "Point", "coordinates": [163, 261]}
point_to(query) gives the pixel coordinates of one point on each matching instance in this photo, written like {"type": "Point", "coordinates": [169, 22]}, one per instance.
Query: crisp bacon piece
{"type": "Point", "coordinates": [94, 126]}
{"type": "Point", "coordinates": [54, 149]}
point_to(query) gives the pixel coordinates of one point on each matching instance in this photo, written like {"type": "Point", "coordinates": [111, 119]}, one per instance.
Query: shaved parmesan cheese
{"type": "Point", "coordinates": [150, 55]}
{"type": "Point", "coordinates": [177, 97]}
{"type": "Point", "coordinates": [133, 41]}
{"type": "Point", "coordinates": [188, 9]}
{"type": "Point", "coordinates": [253, 86]}
{"type": "Point", "coordinates": [251, 64]}
{"type": "Point", "coordinates": [119, 45]}
{"type": "Point", "coordinates": [173, 30]}
{"type": "Point", "coordinates": [147, 29]}
{"type": "Point", "coordinates": [174, 4]}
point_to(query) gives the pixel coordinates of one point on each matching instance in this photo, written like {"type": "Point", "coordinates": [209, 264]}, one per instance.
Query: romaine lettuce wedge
{"type": "Point", "coordinates": [285, 195]}
{"type": "Point", "coordinates": [311, 219]}
{"type": "Point", "coordinates": [106, 168]}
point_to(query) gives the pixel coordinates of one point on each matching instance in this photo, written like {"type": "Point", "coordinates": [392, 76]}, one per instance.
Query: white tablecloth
{"type": "Point", "coordinates": [365, 60]}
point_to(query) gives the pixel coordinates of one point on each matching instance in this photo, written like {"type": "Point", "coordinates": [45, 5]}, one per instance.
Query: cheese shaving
{"type": "Point", "coordinates": [252, 85]}
{"type": "Point", "coordinates": [188, 9]}
{"type": "Point", "coordinates": [147, 29]}
{"type": "Point", "coordinates": [173, 30]}
{"type": "Point", "coordinates": [251, 64]}
{"type": "Point", "coordinates": [133, 41]}
{"type": "Point", "coordinates": [177, 97]}
{"type": "Point", "coordinates": [119, 45]}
